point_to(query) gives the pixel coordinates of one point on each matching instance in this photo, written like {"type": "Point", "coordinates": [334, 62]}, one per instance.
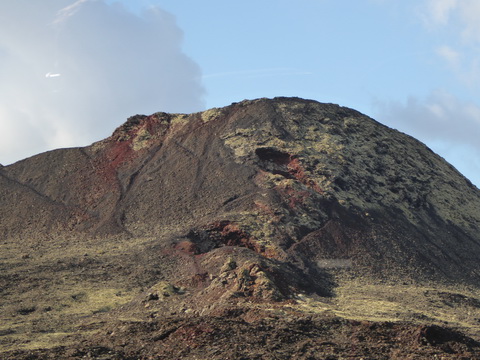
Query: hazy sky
{"type": "Point", "coordinates": [71, 71]}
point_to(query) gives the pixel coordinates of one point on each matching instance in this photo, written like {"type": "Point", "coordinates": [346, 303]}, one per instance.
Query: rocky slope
{"type": "Point", "coordinates": [192, 215]}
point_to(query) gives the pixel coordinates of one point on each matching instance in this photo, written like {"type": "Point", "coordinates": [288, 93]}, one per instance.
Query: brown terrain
{"type": "Point", "coordinates": [269, 229]}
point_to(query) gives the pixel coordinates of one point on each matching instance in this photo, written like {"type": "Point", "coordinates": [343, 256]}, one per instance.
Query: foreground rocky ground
{"type": "Point", "coordinates": [238, 333]}
{"type": "Point", "coordinates": [232, 315]}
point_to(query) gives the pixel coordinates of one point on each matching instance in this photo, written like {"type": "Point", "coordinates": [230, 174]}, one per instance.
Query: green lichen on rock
{"type": "Point", "coordinates": [141, 140]}
{"type": "Point", "coordinates": [253, 279]}
{"type": "Point", "coordinates": [163, 290]}
{"type": "Point", "coordinates": [229, 265]}
{"type": "Point", "coordinates": [179, 119]}
{"type": "Point", "coordinates": [211, 114]}
{"type": "Point", "coordinates": [353, 159]}
{"type": "Point", "coordinates": [249, 278]}
{"type": "Point", "coordinates": [309, 139]}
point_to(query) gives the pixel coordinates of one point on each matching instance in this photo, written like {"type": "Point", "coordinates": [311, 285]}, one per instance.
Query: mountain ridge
{"type": "Point", "coordinates": [320, 160]}
{"type": "Point", "coordinates": [266, 202]}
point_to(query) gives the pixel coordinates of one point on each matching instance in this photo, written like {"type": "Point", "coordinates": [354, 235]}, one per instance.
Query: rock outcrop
{"type": "Point", "coordinates": [290, 179]}
{"type": "Point", "coordinates": [261, 200]}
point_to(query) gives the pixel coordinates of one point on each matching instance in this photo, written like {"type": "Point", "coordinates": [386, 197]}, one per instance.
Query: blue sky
{"type": "Point", "coordinates": [413, 65]}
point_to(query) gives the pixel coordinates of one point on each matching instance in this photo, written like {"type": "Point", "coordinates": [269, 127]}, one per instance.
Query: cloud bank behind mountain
{"type": "Point", "coordinates": [70, 72]}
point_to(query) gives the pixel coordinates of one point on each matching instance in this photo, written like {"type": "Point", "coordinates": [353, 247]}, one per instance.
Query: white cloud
{"type": "Point", "coordinates": [71, 71]}
{"type": "Point", "coordinates": [451, 56]}
{"type": "Point", "coordinates": [447, 124]}
{"type": "Point", "coordinates": [460, 16]}
{"type": "Point", "coordinates": [437, 12]}
{"type": "Point", "coordinates": [441, 116]}
{"type": "Point", "coordinates": [470, 13]}
{"type": "Point", "coordinates": [456, 23]}
{"type": "Point", "coordinates": [67, 11]}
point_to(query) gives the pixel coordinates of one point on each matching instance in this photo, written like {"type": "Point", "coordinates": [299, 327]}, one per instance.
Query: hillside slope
{"type": "Point", "coordinates": [295, 176]}
{"type": "Point", "coordinates": [269, 200]}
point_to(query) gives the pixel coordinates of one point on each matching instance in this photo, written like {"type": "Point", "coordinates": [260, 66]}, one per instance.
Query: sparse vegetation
{"type": "Point", "coordinates": [278, 228]}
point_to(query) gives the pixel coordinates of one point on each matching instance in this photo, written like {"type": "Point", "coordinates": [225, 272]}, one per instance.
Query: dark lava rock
{"type": "Point", "coordinates": [251, 203]}
{"type": "Point", "coordinates": [291, 337]}
{"type": "Point", "coordinates": [287, 178]}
